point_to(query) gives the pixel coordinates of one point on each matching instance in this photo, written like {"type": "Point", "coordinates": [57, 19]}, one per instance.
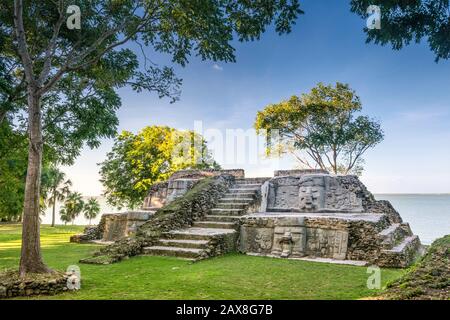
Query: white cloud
{"type": "Point", "coordinates": [217, 67]}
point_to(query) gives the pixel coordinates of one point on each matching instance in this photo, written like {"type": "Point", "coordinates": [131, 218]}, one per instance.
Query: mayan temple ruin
{"type": "Point", "coordinates": [296, 214]}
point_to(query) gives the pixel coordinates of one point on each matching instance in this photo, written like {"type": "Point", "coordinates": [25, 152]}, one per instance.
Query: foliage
{"type": "Point", "coordinates": [233, 276]}
{"type": "Point", "coordinates": [70, 76]}
{"type": "Point", "coordinates": [77, 72]}
{"type": "Point", "coordinates": [137, 161]}
{"type": "Point", "coordinates": [91, 209]}
{"type": "Point", "coordinates": [13, 166]}
{"type": "Point", "coordinates": [323, 127]}
{"type": "Point", "coordinates": [73, 206]}
{"type": "Point", "coordinates": [406, 21]}
{"type": "Point", "coordinates": [54, 188]}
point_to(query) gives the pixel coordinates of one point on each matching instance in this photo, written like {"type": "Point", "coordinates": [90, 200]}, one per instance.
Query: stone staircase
{"type": "Point", "coordinates": [400, 247]}
{"type": "Point", "coordinates": [200, 240]}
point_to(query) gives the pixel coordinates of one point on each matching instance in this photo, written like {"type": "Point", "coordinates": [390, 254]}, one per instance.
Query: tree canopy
{"type": "Point", "coordinates": [61, 82]}
{"type": "Point", "coordinates": [321, 129]}
{"type": "Point", "coordinates": [407, 21]}
{"type": "Point", "coordinates": [137, 161]}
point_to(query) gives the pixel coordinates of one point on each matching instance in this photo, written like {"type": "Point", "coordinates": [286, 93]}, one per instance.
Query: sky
{"type": "Point", "coordinates": [406, 90]}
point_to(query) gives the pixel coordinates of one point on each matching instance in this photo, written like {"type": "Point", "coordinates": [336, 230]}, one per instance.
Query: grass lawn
{"type": "Point", "coordinates": [232, 276]}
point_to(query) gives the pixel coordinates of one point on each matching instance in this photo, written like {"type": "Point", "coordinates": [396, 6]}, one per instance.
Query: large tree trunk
{"type": "Point", "coordinates": [30, 257]}
{"type": "Point", "coordinates": [54, 207]}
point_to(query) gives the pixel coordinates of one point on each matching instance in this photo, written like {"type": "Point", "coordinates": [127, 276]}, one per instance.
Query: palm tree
{"type": "Point", "coordinates": [73, 206]}
{"type": "Point", "coordinates": [57, 188]}
{"type": "Point", "coordinates": [64, 216]}
{"type": "Point", "coordinates": [91, 209]}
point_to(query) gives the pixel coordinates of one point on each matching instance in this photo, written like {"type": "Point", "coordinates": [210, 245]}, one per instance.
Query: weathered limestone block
{"type": "Point", "coordinates": [280, 173]}
{"type": "Point", "coordinates": [135, 219]}
{"type": "Point", "coordinates": [204, 173]}
{"type": "Point", "coordinates": [115, 226]}
{"type": "Point", "coordinates": [327, 243]}
{"type": "Point", "coordinates": [309, 193]}
{"type": "Point", "coordinates": [177, 188]}
{"type": "Point", "coordinates": [284, 237]}
{"type": "Point", "coordinates": [289, 239]}
{"type": "Point", "coordinates": [157, 196]}
{"type": "Point", "coordinates": [265, 188]}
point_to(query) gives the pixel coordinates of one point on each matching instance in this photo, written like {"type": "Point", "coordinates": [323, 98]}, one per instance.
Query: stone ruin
{"type": "Point", "coordinates": [299, 214]}
{"type": "Point", "coordinates": [307, 214]}
{"type": "Point", "coordinates": [116, 226]}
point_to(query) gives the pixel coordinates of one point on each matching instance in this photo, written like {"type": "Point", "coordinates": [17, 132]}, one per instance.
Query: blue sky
{"type": "Point", "coordinates": [406, 90]}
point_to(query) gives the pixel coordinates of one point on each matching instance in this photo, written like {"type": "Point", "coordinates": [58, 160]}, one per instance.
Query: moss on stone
{"type": "Point", "coordinates": [13, 285]}
{"type": "Point", "coordinates": [429, 278]}
{"type": "Point", "coordinates": [180, 213]}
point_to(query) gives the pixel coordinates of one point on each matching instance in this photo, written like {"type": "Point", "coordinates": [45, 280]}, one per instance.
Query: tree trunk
{"type": "Point", "coordinates": [30, 257]}
{"type": "Point", "coordinates": [54, 207]}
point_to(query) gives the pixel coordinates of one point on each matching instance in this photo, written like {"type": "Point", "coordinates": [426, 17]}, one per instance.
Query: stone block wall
{"type": "Point", "coordinates": [310, 193]}
{"type": "Point", "coordinates": [90, 233]}
{"type": "Point", "coordinates": [324, 237]}
{"type": "Point", "coordinates": [204, 173]}
{"type": "Point", "coordinates": [157, 195]}
{"type": "Point", "coordinates": [281, 173]}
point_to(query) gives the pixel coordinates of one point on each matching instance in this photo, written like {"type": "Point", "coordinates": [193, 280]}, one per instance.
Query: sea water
{"type": "Point", "coordinates": [427, 214]}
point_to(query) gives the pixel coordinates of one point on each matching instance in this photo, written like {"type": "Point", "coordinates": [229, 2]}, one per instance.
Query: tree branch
{"type": "Point", "coordinates": [50, 51]}
{"type": "Point", "coordinates": [22, 42]}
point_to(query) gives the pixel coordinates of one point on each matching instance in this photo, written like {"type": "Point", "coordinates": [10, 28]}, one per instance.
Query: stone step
{"type": "Point", "coordinates": [235, 200]}
{"type": "Point", "coordinates": [406, 244]}
{"type": "Point", "coordinates": [195, 244]}
{"type": "Point", "coordinates": [401, 255]}
{"type": "Point", "coordinates": [189, 253]}
{"type": "Point", "coordinates": [227, 212]}
{"type": "Point", "coordinates": [250, 186]}
{"type": "Point", "coordinates": [215, 224]}
{"type": "Point", "coordinates": [232, 206]}
{"type": "Point", "coordinates": [196, 233]}
{"type": "Point", "coordinates": [211, 217]}
{"type": "Point", "coordinates": [240, 194]}
{"type": "Point", "coordinates": [392, 235]}
{"type": "Point", "coordinates": [251, 180]}
{"type": "Point", "coordinates": [243, 190]}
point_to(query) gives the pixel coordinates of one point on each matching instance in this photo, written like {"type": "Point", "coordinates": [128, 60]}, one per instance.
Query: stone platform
{"type": "Point", "coordinates": [358, 238]}
{"type": "Point", "coordinates": [297, 214]}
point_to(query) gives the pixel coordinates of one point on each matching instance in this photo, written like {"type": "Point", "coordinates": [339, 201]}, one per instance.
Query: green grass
{"type": "Point", "coordinates": [232, 276]}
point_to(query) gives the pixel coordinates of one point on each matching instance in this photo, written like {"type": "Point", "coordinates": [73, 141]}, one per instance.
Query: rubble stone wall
{"type": "Point", "coordinates": [180, 213]}
{"type": "Point", "coordinates": [12, 285]}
